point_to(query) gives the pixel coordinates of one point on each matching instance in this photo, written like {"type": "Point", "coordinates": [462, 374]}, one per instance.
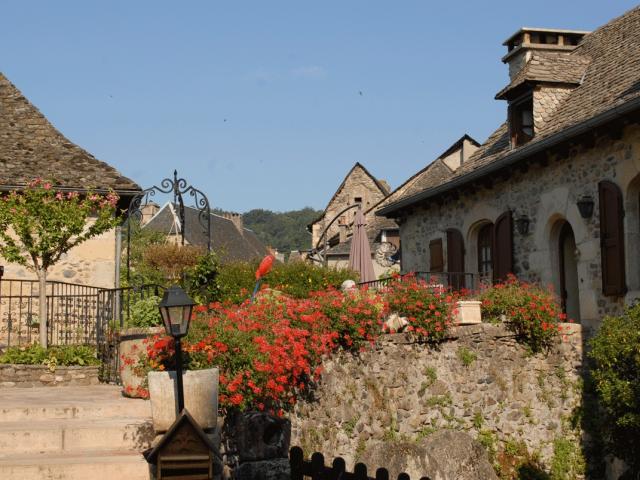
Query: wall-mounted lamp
{"type": "Point", "coordinates": [522, 224]}
{"type": "Point", "coordinates": [585, 206]}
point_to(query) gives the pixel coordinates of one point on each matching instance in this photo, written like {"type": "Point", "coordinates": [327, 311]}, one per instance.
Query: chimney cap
{"type": "Point", "coordinates": [544, 30]}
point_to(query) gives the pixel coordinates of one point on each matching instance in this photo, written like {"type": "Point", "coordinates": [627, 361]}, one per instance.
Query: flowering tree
{"type": "Point", "coordinates": [39, 224]}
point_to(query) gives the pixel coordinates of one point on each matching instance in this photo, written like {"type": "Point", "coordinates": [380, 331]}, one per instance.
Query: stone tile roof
{"type": "Point", "coordinates": [548, 67]}
{"type": "Point", "coordinates": [31, 147]}
{"type": "Point", "coordinates": [374, 228]}
{"type": "Point", "coordinates": [226, 240]}
{"type": "Point", "coordinates": [611, 81]}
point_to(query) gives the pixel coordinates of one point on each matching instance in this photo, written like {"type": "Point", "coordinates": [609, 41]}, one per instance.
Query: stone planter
{"type": "Point", "coordinates": [130, 347]}
{"type": "Point", "coordinates": [200, 397]}
{"type": "Point", "coordinates": [468, 312]}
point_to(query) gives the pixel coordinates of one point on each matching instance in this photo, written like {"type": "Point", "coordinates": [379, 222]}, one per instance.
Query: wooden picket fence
{"type": "Point", "coordinates": [316, 469]}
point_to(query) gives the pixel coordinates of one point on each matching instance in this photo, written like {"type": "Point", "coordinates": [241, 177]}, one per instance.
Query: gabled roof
{"type": "Point", "coordinates": [548, 67]}
{"type": "Point", "coordinates": [435, 173]}
{"type": "Point", "coordinates": [227, 241]}
{"type": "Point", "coordinates": [184, 421]}
{"type": "Point", "coordinates": [383, 189]}
{"type": "Point", "coordinates": [609, 90]}
{"type": "Point", "coordinates": [31, 147]}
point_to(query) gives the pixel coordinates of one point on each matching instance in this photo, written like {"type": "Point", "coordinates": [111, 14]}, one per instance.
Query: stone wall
{"type": "Point", "coordinates": [41, 376]}
{"type": "Point", "coordinates": [91, 263]}
{"type": "Point", "coordinates": [547, 194]}
{"type": "Point", "coordinates": [480, 380]}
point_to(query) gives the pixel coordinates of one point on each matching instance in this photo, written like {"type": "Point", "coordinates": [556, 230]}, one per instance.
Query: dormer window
{"type": "Point", "coordinates": [521, 121]}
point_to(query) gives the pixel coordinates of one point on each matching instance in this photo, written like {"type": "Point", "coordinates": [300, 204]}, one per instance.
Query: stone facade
{"type": "Point", "coordinates": [547, 194]}
{"type": "Point", "coordinates": [24, 376]}
{"type": "Point", "coordinates": [91, 263]}
{"type": "Point", "coordinates": [358, 184]}
{"type": "Point", "coordinates": [478, 380]}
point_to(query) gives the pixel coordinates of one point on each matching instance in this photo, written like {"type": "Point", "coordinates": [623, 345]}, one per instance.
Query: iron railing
{"type": "Point", "coordinates": [455, 281]}
{"type": "Point", "coordinates": [76, 315]}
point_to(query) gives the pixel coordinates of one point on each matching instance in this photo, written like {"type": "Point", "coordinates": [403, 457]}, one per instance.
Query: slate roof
{"type": "Point", "coordinates": [374, 227]}
{"type": "Point", "coordinates": [548, 67]}
{"type": "Point", "coordinates": [31, 147]}
{"type": "Point", "coordinates": [226, 240]}
{"type": "Point", "coordinates": [609, 88]}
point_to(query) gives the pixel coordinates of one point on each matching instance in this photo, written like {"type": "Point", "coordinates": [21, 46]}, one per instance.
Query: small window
{"type": "Point", "coordinates": [521, 122]}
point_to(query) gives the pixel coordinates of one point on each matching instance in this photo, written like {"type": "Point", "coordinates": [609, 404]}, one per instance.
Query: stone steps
{"type": "Point", "coordinates": [73, 433]}
{"type": "Point", "coordinates": [88, 465]}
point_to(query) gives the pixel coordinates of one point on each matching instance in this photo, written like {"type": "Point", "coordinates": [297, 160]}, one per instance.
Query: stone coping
{"type": "Point", "coordinates": [25, 376]}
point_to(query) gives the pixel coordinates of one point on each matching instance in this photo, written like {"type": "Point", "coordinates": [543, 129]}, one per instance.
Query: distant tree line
{"type": "Point", "coordinates": [285, 231]}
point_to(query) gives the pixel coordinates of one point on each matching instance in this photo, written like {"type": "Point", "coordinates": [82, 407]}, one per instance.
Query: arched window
{"type": "Point", "coordinates": [503, 238]}
{"type": "Point", "coordinates": [455, 259]}
{"type": "Point", "coordinates": [612, 239]}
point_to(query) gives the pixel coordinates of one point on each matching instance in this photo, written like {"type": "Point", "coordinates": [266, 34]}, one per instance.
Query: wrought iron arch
{"type": "Point", "coordinates": [179, 187]}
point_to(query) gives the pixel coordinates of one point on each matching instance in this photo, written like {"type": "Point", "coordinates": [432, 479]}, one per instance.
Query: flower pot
{"type": "Point", "coordinates": [468, 312]}
{"type": "Point", "coordinates": [130, 347]}
{"type": "Point", "coordinates": [200, 397]}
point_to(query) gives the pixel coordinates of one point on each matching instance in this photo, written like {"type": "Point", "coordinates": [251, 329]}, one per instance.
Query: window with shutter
{"type": "Point", "coordinates": [436, 262]}
{"type": "Point", "coordinates": [455, 259]}
{"type": "Point", "coordinates": [612, 239]}
{"type": "Point", "coordinates": [503, 247]}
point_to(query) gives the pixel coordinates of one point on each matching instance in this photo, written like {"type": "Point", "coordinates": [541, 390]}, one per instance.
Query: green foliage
{"type": "Point", "coordinates": [285, 231]}
{"type": "Point", "coordinates": [140, 272]}
{"type": "Point", "coordinates": [567, 463]}
{"type": "Point", "coordinates": [144, 312]}
{"type": "Point", "coordinates": [39, 224]}
{"type": "Point", "coordinates": [489, 441]}
{"type": "Point", "coordinates": [202, 280]}
{"type": "Point", "coordinates": [478, 420]}
{"type": "Point", "coordinates": [235, 281]}
{"type": "Point", "coordinates": [531, 312]}
{"type": "Point", "coordinates": [615, 351]}
{"type": "Point", "coordinates": [35, 354]}
{"type": "Point", "coordinates": [466, 356]}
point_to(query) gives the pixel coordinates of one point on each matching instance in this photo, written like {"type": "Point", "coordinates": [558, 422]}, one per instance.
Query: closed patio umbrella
{"type": "Point", "coordinates": [360, 254]}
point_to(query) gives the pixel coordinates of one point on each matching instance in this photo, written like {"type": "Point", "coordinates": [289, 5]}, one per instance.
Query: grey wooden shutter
{"type": "Point", "coordinates": [612, 239]}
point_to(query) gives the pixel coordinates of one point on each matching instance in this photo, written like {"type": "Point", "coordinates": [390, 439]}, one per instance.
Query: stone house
{"type": "Point", "coordinates": [358, 187]}
{"type": "Point", "coordinates": [553, 195]}
{"type": "Point", "coordinates": [31, 147]}
{"type": "Point", "coordinates": [229, 238]}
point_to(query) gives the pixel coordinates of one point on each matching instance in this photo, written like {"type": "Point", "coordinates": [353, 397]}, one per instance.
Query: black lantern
{"type": "Point", "coordinates": [175, 308]}
{"type": "Point", "coordinates": [585, 205]}
{"type": "Point", "coordinates": [522, 224]}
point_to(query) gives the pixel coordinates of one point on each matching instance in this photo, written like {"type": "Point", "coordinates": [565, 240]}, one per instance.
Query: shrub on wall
{"type": "Point", "coordinates": [615, 351]}
{"type": "Point", "coordinates": [269, 350]}
{"type": "Point", "coordinates": [530, 311]}
{"type": "Point", "coordinates": [429, 309]}
{"type": "Point", "coordinates": [144, 313]}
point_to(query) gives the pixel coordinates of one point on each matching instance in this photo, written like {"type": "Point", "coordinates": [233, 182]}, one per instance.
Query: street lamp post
{"type": "Point", "coordinates": [175, 309]}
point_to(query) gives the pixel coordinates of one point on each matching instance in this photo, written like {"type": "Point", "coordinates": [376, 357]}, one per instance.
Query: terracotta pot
{"type": "Point", "coordinates": [468, 312]}
{"type": "Point", "coordinates": [130, 347]}
{"type": "Point", "coordinates": [200, 397]}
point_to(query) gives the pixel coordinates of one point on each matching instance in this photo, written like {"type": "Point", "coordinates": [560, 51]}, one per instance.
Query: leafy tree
{"type": "Point", "coordinates": [40, 224]}
{"type": "Point", "coordinates": [285, 231]}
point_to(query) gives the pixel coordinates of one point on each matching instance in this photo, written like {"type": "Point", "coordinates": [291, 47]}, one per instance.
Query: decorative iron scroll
{"type": "Point", "coordinates": [179, 187]}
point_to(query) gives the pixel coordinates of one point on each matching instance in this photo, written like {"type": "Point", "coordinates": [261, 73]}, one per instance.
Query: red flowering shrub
{"type": "Point", "coordinates": [429, 308]}
{"type": "Point", "coordinates": [531, 312]}
{"type": "Point", "coordinates": [268, 351]}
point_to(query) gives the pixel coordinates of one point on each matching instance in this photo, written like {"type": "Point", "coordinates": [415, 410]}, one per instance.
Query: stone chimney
{"type": "Point", "coordinates": [236, 218]}
{"type": "Point", "coordinates": [148, 211]}
{"type": "Point", "coordinates": [525, 41]}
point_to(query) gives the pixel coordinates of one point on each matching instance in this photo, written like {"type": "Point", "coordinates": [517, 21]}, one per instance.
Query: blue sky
{"type": "Point", "coordinates": [268, 104]}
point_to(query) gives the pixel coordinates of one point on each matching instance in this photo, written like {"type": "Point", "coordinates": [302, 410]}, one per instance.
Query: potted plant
{"type": "Point", "coordinates": [142, 321]}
